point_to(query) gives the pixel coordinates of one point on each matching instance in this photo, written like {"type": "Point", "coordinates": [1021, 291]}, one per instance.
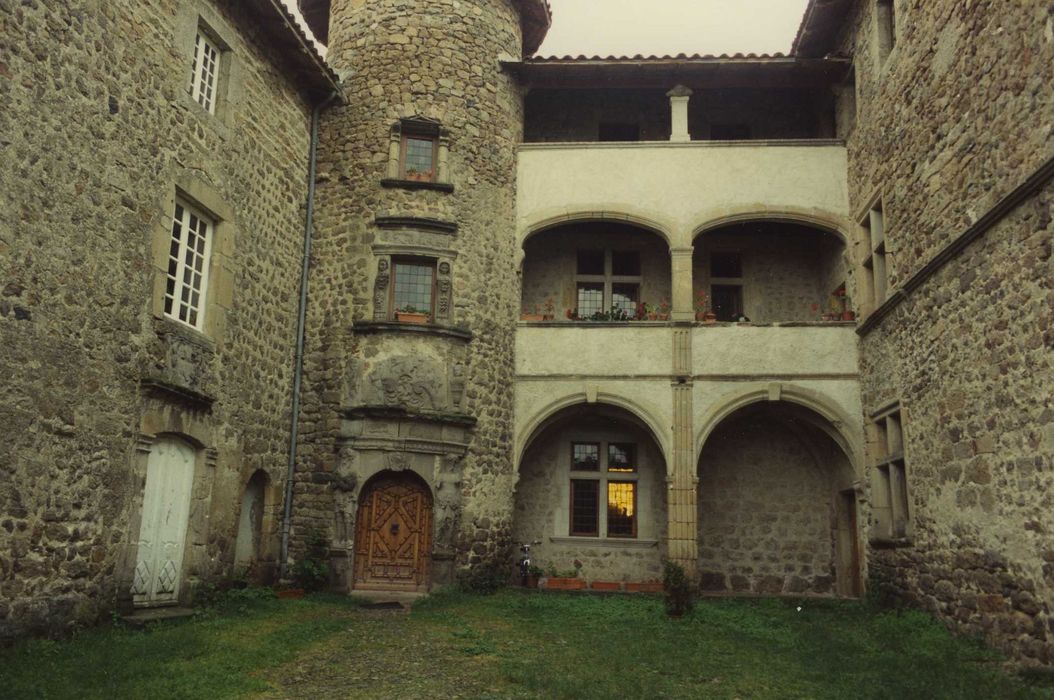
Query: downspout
{"type": "Point", "coordinates": [298, 373]}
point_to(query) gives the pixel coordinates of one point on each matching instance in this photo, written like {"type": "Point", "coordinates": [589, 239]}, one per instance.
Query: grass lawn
{"type": "Point", "coordinates": [519, 645]}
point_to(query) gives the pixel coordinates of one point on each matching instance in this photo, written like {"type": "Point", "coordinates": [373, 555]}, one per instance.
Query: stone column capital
{"type": "Point", "coordinates": [679, 91]}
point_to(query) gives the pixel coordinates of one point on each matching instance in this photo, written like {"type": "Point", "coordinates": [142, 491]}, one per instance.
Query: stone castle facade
{"type": "Point", "coordinates": [784, 320]}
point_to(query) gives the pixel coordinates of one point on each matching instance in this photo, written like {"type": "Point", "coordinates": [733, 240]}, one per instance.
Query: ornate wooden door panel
{"type": "Point", "coordinates": [393, 534]}
{"type": "Point", "coordinates": [163, 530]}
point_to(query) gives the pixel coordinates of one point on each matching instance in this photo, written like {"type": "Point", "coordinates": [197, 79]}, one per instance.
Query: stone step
{"type": "Point", "coordinates": [140, 618]}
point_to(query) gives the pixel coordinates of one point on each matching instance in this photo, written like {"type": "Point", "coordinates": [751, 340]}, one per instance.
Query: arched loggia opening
{"type": "Point", "coordinates": [777, 506]}
{"type": "Point", "coordinates": [596, 270]}
{"type": "Point", "coordinates": [770, 272]}
{"type": "Point", "coordinates": [592, 490]}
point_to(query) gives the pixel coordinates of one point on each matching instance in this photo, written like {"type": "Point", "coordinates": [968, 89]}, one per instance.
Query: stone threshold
{"type": "Point", "coordinates": [144, 616]}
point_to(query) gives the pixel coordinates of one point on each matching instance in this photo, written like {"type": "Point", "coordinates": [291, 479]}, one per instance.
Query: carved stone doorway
{"type": "Point", "coordinates": [393, 534]}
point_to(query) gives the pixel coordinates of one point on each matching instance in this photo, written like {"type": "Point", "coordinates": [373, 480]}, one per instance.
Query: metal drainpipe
{"type": "Point", "coordinates": [298, 374]}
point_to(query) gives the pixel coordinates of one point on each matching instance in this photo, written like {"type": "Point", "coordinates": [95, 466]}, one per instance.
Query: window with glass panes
{"type": "Point", "coordinates": [188, 265]}
{"type": "Point", "coordinates": [892, 508]}
{"type": "Point", "coordinates": [608, 469]}
{"type": "Point", "coordinates": [205, 73]}
{"type": "Point", "coordinates": [413, 285]}
{"type": "Point", "coordinates": [607, 281]}
{"type": "Point", "coordinates": [419, 155]}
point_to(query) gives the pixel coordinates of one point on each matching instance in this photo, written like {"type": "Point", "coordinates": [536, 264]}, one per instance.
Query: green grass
{"type": "Point", "coordinates": [519, 645]}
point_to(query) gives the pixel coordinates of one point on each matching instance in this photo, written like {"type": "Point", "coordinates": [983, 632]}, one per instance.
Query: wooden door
{"type": "Point", "coordinates": [847, 547]}
{"type": "Point", "coordinates": [163, 530]}
{"type": "Point", "coordinates": [393, 534]}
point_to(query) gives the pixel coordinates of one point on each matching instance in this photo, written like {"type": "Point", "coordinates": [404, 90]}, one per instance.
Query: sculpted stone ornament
{"type": "Point", "coordinates": [411, 382]}
{"type": "Point", "coordinates": [396, 462]}
{"type": "Point", "coordinates": [380, 290]}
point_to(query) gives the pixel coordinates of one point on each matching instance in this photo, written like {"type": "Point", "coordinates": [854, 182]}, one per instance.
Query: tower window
{"type": "Point", "coordinates": [419, 157]}
{"type": "Point", "coordinates": [413, 285]}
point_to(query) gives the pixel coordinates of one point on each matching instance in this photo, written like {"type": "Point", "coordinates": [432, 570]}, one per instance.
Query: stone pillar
{"type": "Point", "coordinates": [679, 97]}
{"type": "Point", "coordinates": [682, 545]}
{"type": "Point", "coordinates": [681, 284]}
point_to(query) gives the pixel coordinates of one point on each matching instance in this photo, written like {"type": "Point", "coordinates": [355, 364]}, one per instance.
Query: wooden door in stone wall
{"type": "Point", "coordinates": [163, 530]}
{"type": "Point", "coordinates": [393, 534]}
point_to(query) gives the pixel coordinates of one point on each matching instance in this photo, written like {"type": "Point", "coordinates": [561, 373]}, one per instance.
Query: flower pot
{"type": "Point", "coordinates": [646, 587]}
{"type": "Point", "coordinates": [709, 317]}
{"type": "Point", "coordinates": [848, 315]}
{"type": "Point", "coordinates": [653, 317]}
{"type": "Point", "coordinates": [411, 317]}
{"type": "Point", "coordinates": [532, 317]}
{"type": "Point", "coordinates": [555, 583]}
{"type": "Point", "coordinates": [531, 581]}
{"type": "Point", "coordinates": [292, 593]}
{"type": "Point", "coordinates": [419, 177]}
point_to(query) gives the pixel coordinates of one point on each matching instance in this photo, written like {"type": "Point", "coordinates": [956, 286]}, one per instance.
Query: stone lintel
{"type": "Point", "coordinates": [421, 329]}
{"type": "Point", "coordinates": [417, 223]}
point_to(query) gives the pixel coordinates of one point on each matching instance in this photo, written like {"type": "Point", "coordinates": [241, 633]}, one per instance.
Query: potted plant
{"type": "Point", "coordinates": [419, 175]}
{"type": "Point", "coordinates": [847, 311]}
{"type": "Point", "coordinates": [572, 315]}
{"type": "Point", "coordinates": [534, 573]}
{"type": "Point", "coordinates": [664, 310]}
{"type": "Point", "coordinates": [409, 314]}
{"type": "Point", "coordinates": [702, 308]}
{"type": "Point", "coordinates": [532, 315]}
{"type": "Point", "coordinates": [550, 309]}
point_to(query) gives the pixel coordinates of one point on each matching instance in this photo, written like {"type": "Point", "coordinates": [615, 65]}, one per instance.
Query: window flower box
{"type": "Point", "coordinates": [416, 317]}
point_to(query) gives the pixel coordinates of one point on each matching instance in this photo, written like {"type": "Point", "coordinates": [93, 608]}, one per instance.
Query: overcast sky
{"type": "Point", "coordinates": [628, 27]}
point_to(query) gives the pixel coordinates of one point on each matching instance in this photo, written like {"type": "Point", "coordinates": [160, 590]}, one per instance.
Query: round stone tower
{"type": "Point", "coordinates": [406, 462]}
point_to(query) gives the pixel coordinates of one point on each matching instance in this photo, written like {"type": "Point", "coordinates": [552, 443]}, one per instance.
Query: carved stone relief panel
{"type": "Point", "coordinates": [380, 288]}
{"type": "Point", "coordinates": [444, 285]}
{"type": "Point", "coordinates": [415, 383]}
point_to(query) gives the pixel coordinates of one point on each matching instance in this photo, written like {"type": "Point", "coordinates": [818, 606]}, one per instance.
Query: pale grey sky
{"type": "Point", "coordinates": [628, 27]}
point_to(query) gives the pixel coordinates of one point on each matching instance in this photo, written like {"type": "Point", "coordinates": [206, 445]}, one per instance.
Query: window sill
{"type": "Point", "coordinates": [166, 325]}
{"type": "Point", "coordinates": [614, 542]}
{"type": "Point", "coordinates": [418, 328]}
{"type": "Point", "coordinates": [416, 185]}
{"type": "Point", "coordinates": [892, 542]}
{"type": "Point", "coordinates": [214, 121]}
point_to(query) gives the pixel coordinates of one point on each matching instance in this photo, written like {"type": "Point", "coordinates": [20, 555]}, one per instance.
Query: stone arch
{"type": "Point", "coordinates": [255, 543]}
{"type": "Point", "coordinates": [552, 410]}
{"type": "Point", "coordinates": [623, 215]}
{"type": "Point", "coordinates": [825, 414]}
{"type": "Point", "coordinates": [394, 532]}
{"type": "Point", "coordinates": [830, 223]}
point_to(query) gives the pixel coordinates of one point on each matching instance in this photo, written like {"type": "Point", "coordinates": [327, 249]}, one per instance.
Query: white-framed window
{"type": "Point", "coordinates": [188, 265]}
{"type": "Point", "coordinates": [204, 76]}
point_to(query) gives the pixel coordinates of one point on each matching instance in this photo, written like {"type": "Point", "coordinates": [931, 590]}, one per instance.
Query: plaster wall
{"type": "Point", "coordinates": [678, 188]}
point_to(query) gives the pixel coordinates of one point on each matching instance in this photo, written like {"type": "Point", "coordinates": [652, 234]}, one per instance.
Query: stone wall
{"type": "Point", "coordinates": [789, 272]}
{"type": "Point", "coordinates": [765, 511]}
{"type": "Point", "coordinates": [98, 132]}
{"type": "Point", "coordinates": [550, 262]}
{"type": "Point", "coordinates": [576, 115]}
{"type": "Point", "coordinates": [956, 117]}
{"type": "Point", "coordinates": [439, 61]}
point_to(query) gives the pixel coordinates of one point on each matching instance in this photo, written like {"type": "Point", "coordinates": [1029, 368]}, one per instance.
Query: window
{"type": "Point", "coordinates": [620, 516]}
{"type": "Point", "coordinates": [726, 285]}
{"type": "Point", "coordinates": [622, 509]}
{"type": "Point", "coordinates": [188, 265]}
{"type": "Point", "coordinates": [877, 274]}
{"type": "Point", "coordinates": [610, 131]}
{"type": "Point", "coordinates": [413, 286]}
{"type": "Point", "coordinates": [585, 507]}
{"type": "Point", "coordinates": [607, 281]}
{"type": "Point", "coordinates": [204, 75]}
{"type": "Point", "coordinates": [886, 27]}
{"type": "Point", "coordinates": [729, 132]}
{"type": "Point", "coordinates": [891, 499]}
{"type": "Point", "coordinates": [622, 457]}
{"type": "Point", "coordinates": [585, 456]}
{"type": "Point", "coordinates": [419, 157]}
